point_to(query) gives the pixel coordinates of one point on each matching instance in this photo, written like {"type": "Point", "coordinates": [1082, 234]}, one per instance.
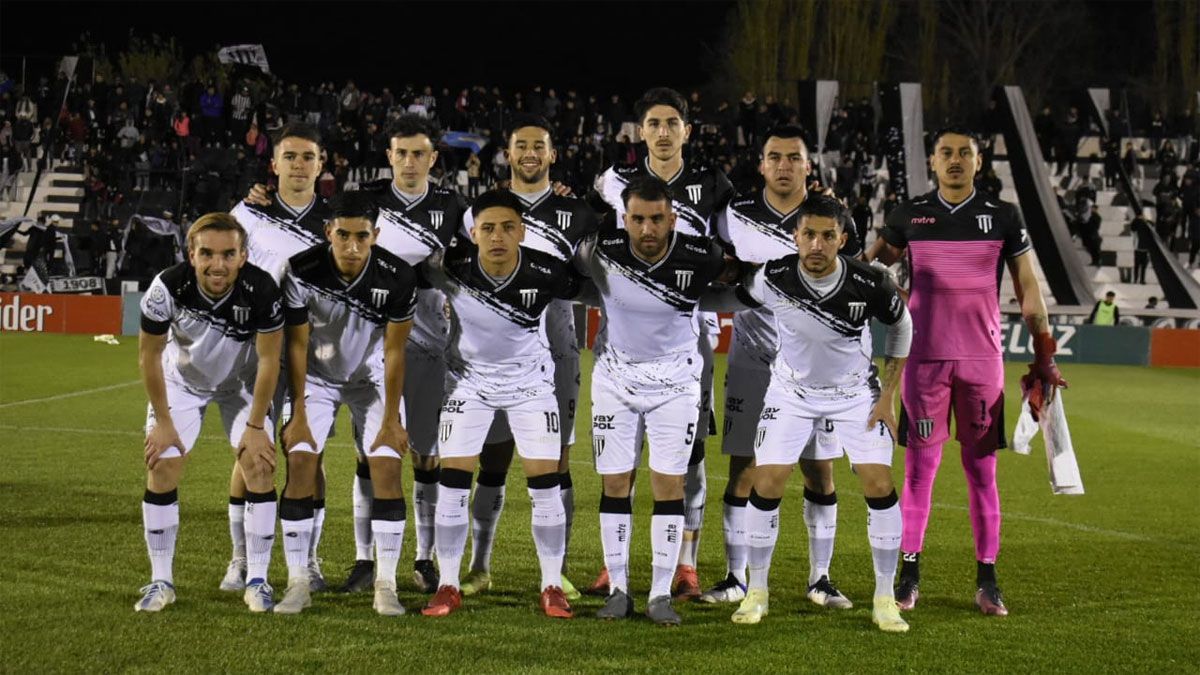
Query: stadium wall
{"type": "Point", "coordinates": [38, 313]}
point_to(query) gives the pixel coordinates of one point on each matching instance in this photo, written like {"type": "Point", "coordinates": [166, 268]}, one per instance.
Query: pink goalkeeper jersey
{"type": "Point", "coordinates": [956, 254]}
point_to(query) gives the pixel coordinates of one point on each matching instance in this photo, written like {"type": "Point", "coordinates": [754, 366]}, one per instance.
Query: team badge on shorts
{"type": "Point", "coordinates": [925, 427]}
{"type": "Point", "coordinates": [598, 445]}
{"type": "Point", "coordinates": [759, 436]}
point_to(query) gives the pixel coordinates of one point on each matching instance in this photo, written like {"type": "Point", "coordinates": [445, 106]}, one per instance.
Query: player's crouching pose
{"type": "Point", "coordinates": [823, 373]}
{"type": "Point", "coordinates": [349, 307]}
{"type": "Point", "coordinates": [498, 359]}
{"type": "Point", "coordinates": [210, 306]}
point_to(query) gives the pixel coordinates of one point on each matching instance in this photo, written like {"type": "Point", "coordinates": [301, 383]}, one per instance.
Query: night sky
{"type": "Point", "coordinates": [599, 46]}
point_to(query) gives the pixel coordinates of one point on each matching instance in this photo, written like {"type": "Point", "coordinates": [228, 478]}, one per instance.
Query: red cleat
{"type": "Point", "coordinates": [554, 603]}
{"type": "Point", "coordinates": [446, 600]}
{"type": "Point", "coordinates": [687, 583]}
{"type": "Point", "coordinates": [600, 585]}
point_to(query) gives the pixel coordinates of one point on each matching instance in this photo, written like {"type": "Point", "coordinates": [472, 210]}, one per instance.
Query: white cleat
{"type": "Point", "coordinates": [155, 596]}
{"type": "Point", "coordinates": [886, 615]}
{"type": "Point", "coordinates": [386, 603]}
{"type": "Point", "coordinates": [259, 596]}
{"type": "Point", "coordinates": [727, 590]}
{"type": "Point", "coordinates": [296, 598]}
{"type": "Point", "coordinates": [825, 594]}
{"type": "Point", "coordinates": [753, 608]}
{"type": "Point", "coordinates": [235, 576]}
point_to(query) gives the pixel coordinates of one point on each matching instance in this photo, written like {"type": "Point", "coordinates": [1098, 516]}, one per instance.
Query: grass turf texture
{"type": "Point", "coordinates": [1102, 582]}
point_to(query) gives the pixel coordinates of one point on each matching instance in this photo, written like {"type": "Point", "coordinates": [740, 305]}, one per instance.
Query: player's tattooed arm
{"type": "Point", "coordinates": [884, 411]}
{"type": "Point", "coordinates": [162, 435]}
{"type": "Point", "coordinates": [1029, 294]}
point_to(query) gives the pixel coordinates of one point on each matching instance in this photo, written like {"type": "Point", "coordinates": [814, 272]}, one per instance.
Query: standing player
{"type": "Point", "coordinates": [278, 226]}
{"type": "Point", "coordinates": [224, 321]}
{"type": "Point", "coordinates": [349, 309]}
{"type": "Point", "coordinates": [956, 241]}
{"type": "Point", "coordinates": [555, 225]}
{"type": "Point", "coordinates": [823, 304]}
{"type": "Point", "coordinates": [759, 228]}
{"type": "Point", "coordinates": [499, 360]}
{"type": "Point", "coordinates": [699, 194]}
{"type": "Point", "coordinates": [646, 381]}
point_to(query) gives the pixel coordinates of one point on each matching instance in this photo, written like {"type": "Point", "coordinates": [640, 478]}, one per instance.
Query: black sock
{"type": "Point", "coordinates": [910, 566]}
{"type": "Point", "coordinates": [985, 574]}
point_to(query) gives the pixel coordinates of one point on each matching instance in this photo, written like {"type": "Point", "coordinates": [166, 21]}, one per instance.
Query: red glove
{"type": "Point", "coordinates": [1043, 376]}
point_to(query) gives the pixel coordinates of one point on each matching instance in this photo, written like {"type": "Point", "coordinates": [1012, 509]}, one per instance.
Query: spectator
{"type": "Point", "coordinates": [128, 135]}
{"type": "Point", "coordinates": [212, 111]}
{"type": "Point", "coordinates": [474, 167]}
{"type": "Point", "coordinates": [240, 107]}
{"type": "Point", "coordinates": [1089, 232]}
{"type": "Point", "coordinates": [863, 218]}
{"type": "Point", "coordinates": [1105, 313]}
{"type": "Point", "coordinates": [1141, 252]}
{"type": "Point", "coordinates": [1152, 303]}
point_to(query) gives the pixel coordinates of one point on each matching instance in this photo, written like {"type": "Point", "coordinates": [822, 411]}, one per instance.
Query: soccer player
{"type": "Point", "coordinates": [212, 330]}
{"type": "Point", "coordinates": [956, 242]}
{"type": "Point", "coordinates": [555, 225]}
{"type": "Point", "coordinates": [699, 194]}
{"type": "Point", "coordinates": [279, 225]}
{"type": "Point", "coordinates": [646, 380]}
{"type": "Point", "coordinates": [758, 228]}
{"type": "Point", "coordinates": [823, 374]}
{"type": "Point", "coordinates": [349, 307]}
{"type": "Point", "coordinates": [499, 360]}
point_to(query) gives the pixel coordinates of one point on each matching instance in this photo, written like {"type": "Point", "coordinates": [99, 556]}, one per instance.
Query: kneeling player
{"type": "Point", "coordinates": [211, 306]}
{"type": "Point", "coordinates": [349, 310]}
{"type": "Point", "coordinates": [823, 304]}
{"type": "Point", "coordinates": [498, 359]}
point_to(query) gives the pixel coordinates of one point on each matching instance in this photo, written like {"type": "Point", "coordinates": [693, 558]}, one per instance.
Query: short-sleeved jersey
{"type": "Point", "coordinates": [956, 254]}
{"type": "Point", "coordinates": [756, 232]}
{"type": "Point", "coordinates": [277, 231]}
{"type": "Point", "coordinates": [554, 224]}
{"type": "Point", "coordinates": [497, 343]}
{"type": "Point", "coordinates": [347, 318]}
{"type": "Point", "coordinates": [698, 194]}
{"type": "Point", "coordinates": [649, 309]}
{"type": "Point", "coordinates": [212, 339]}
{"type": "Point", "coordinates": [825, 338]}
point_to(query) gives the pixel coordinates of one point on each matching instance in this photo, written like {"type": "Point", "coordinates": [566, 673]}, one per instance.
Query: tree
{"type": "Point", "coordinates": [151, 58]}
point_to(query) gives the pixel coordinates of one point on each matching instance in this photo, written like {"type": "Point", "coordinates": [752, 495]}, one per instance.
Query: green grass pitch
{"type": "Point", "coordinates": [1103, 582]}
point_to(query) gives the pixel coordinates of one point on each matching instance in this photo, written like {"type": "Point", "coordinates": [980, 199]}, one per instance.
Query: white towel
{"type": "Point", "coordinates": [1060, 453]}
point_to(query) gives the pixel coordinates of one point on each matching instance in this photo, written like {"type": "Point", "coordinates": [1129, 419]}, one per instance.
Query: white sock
{"type": "Point", "coordinates": [318, 525]}
{"type": "Point", "coordinates": [548, 523]}
{"type": "Point", "coordinates": [884, 526]}
{"type": "Point", "coordinates": [733, 517]}
{"type": "Point", "coordinates": [762, 531]}
{"type": "Point", "coordinates": [425, 498]}
{"type": "Point", "coordinates": [486, 508]}
{"type": "Point", "coordinates": [362, 495]}
{"type": "Point", "coordinates": [666, 538]}
{"type": "Point", "coordinates": [160, 518]}
{"type": "Point", "coordinates": [820, 516]}
{"type": "Point", "coordinates": [260, 511]}
{"type": "Point", "coordinates": [450, 525]}
{"type": "Point", "coordinates": [237, 531]}
{"type": "Point", "coordinates": [616, 528]}
{"type": "Point", "coordinates": [387, 527]}
{"type": "Point", "coordinates": [296, 521]}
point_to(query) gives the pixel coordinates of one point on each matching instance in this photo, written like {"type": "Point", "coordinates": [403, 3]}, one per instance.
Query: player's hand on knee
{"type": "Point", "coordinates": [260, 195]}
{"type": "Point", "coordinates": [160, 439]}
{"type": "Point", "coordinates": [882, 412]}
{"type": "Point", "coordinates": [257, 450]}
{"type": "Point", "coordinates": [296, 432]}
{"type": "Point", "coordinates": [392, 435]}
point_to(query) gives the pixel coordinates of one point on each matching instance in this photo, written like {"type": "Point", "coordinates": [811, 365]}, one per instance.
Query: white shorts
{"type": "Point", "coordinates": [465, 420]}
{"type": "Point", "coordinates": [789, 422]}
{"type": "Point", "coordinates": [424, 390]}
{"type": "Point", "coordinates": [564, 350]}
{"type": "Point", "coordinates": [365, 401]}
{"type": "Point", "coordinates": [187, 413]}
{"type": "Point", "coordinates": [745, 390]}
{"type": "Point", "coordinates": [620, 417]}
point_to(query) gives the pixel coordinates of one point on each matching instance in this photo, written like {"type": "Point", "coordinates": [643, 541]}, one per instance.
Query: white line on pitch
{"type": "Point", "coordinates": [73, 394]}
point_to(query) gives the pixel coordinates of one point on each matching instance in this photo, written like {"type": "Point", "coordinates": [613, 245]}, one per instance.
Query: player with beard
{"type": "Point", "coordinates": [699, 195]}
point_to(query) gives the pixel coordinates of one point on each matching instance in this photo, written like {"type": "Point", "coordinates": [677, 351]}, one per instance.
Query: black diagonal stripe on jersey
{"type": "Point", "coordinates": [771, 230]}
{"type": "Point", "coordinates": [488, 299]}
{"type": "Point", "coordinates": [691, 215]}
{"type": "Point", "coordinates": [220, 325]}
{"type": "Point", "coordinates": [812, 308]}
{"type": "Point", "coordinates": [551, 234]}
{"type": "Point", "coordinates": [357, 306]}
{"type": "Point", "coordinates": [414, 229]}
{"type": "Point", "coordinates": [294, 229]}
{"type": "Point", "coordinates": [668, 295]}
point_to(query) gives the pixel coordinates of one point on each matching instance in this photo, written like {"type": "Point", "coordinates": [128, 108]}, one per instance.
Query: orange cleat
{"type": "Point", "coordinates": [446, 600]}
{"type": "Point", "coordinates": [554, 603]}
{"type": "Point", "coordinates": [687, 583]}
{"type": "Point", "coordinates": [600, 585]}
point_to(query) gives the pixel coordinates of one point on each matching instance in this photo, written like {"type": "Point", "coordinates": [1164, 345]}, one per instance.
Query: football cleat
{"type": "Point", "coordinates": [446, 600]}
{"type": "Point", "coordinates": [554, 603]}
{"type": "Point", "coordinates": [155, 596]}
{"type": "Point", "coordinates": [886, 615]}
{"type": "Point", "coordinates": [686, 583]}
{"type": "Point", "coordinates": [361, 577]}
{"type": "Point", "coordinates": [386, 603]}
{"type": "Point", "coordinates": [316, 580]}
{"type": "Point", "coordinates": [989, 600]}
{"type": "Point", "coordinates": [618, 606]}
{"type": "Point", "coordinates": [296, 598]}
{"type": "Point", "coordinates": [825, 594]}
{"type": "Point", "coordinates": [660, 611]}
{"type": "Point", "coordinates": [477, 581]}
{"type": "Point", "coordinates": [753, 608]}
{"type": "Point", "coordinates": [600, 585]}
{"type": "Point", "coordinates": [235, 576]}
{"type": "Point", "coordinates": [728, 589]}
{"type": "Point", "coordinates": [425, 576]}
{"type": "Point", "coordinates": [570, 591]}
{"type": "Point", "coordinates": [906, 594]}
{"type": "Point", "coordinates": [258, 596]}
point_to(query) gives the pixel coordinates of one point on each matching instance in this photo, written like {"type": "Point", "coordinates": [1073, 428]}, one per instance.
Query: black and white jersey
{"type": "Point", "coordinates": [554, 224]}
{"type": "Point", "coordinates": [277, 231]}
{"type": "Point", "coordinates": [413, 231]}
{"type": "Point", "coordinates": [497, 342]}
{"type": "Point", "coordinates": [825, 338]}
{"type": "Point", "coordinates": [348, 318]}
{"type": "Point", "coordinates": [211, 347]}
{"type": "Point", "coordinates": [756, 232]}
{"type": "Point", "coordinates": [698, 194]}
{"type": "Point", "coordinates": [649, 309]}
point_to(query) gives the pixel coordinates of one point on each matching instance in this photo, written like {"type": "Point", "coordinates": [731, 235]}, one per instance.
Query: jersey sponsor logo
{"type": "Point", "coordinates": [769, 413]}
{"type": "Point", "coordinates": [603, 422]}
{"type": "Point", "coordinates": [733, 404]}
{"type": "Point", "coordinates": [543, 270]}
{"type": "Point", "coordinates": [683, 278]}
{"type": "Point", "coordinates": [564, 219]}
{"type": "Point", "coordinates": [863, 280]}
{"type": "Point", "coordinates": [924, 427]}
{"type": "Point", "coordinates": [529, 296]}
{"type": "Point", "coordinates": [610, 242]}
{"type": "Point", "coordinates": [379, 296]}
{"type": "Point", "coordinates": [984, 221]}
{"type": "Point", "coordinates": [857, 310]}
{"type": "Point", "coordinates": [241, 314]}
{"type": "Point", "coordinates": [453, 405]}
{"type": "Point", "coordinates": [694, 191]}
{"type": "Point", "coordinates": [923, 220]}
{"type": "Point", "coordinates": [436, 218]}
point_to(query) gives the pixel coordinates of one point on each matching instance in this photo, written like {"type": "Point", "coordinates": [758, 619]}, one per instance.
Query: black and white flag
{"type": "Point", "coordinates": [246, 55]}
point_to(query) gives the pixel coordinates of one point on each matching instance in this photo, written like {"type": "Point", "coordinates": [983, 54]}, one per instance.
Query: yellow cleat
{"type": "Point", "coordinates": [570, 591]}
{"type": "Point", "coordinates": [886, 615]}
{"type": "Point", "coordinates": [753, 607]}
{"type": "Point", "coordinates": [477, 581]}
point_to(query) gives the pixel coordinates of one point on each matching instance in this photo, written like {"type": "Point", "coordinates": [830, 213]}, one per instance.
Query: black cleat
{"type": "Point", "coordinates": [361, 577]}
{"type": "Point", "coordinates": [907, 593]}
{"type": "Point", "coordinates": [425, 576]}
{"type": "Point", "coordinates": [618, 606]}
